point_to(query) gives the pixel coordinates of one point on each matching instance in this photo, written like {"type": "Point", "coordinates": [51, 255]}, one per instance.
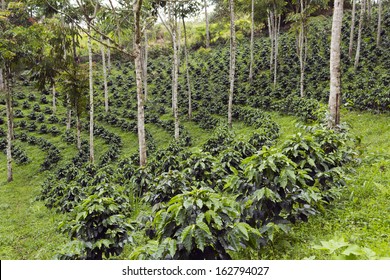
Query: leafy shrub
{"type": "Point", "coordinates": [199, 224]}
{"type": "Point", "coordinates": [99, 223]}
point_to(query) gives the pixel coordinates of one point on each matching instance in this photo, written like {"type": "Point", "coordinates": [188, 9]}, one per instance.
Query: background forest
{"type": "Point", "coordinates": [194, 129]}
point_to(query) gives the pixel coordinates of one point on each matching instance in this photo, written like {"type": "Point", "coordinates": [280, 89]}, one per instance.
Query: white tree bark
{"type": "Point", "coordinates": [187, 71]}
{"type": "Point", "coordinates": [54, 99]}
{"type": "Point", "coordinates": [138, 73]}
{"type": "Point", "coordinates": [8, 102]}
{"type": "Point", "coordinates": [106, 108]}
{"type": "Point", "coordinates": [91, 108]}
{"type": "Point", "coordinates": [271, 37]}
{"type": "Point", "coordinates": [78, 131]}
{"type": "Point", "coordinates": [145, 64]}
{"type": "Point", "coordinates": [302, 50]}
{"type": "Point", "coordinates": [232, 61]}
{"type": "Point", "coordinates": [108, 58]}
{"type": "Point", "coordinates": [359, 41]}
{"type": "Point", "coordinates": [276, 46]}
{"type": "Point", "coordinates": [252, 40]}
{"type": "Point", "coordinates": [175, 82]}
{"type": "Point", "coordinates": [207, 25]}
{"type": "Point", "coordinates": [172, 30]}
{"type": "Point", "coordinates": [379, 31]}
{"type": "Point", "coordinates": [351, 34]}
{"type": "Point", "coordinates": [68, 113]}
{"type": "Point", "coordinates": [335, 73]}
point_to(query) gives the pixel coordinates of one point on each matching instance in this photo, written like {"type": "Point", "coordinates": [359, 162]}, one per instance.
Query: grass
{"type": "Point", "coordinates": [28, 230]}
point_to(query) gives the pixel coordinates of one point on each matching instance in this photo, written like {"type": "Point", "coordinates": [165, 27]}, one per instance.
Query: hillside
{"type": "Point", "coordinates": [273, 187]}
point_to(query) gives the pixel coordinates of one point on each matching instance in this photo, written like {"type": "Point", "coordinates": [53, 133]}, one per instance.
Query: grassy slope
{"type": "Point", "coordinates": [28, 229]}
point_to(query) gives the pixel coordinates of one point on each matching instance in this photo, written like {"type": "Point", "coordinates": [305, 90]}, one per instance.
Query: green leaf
{"type": "Point", "coordinates": [242, 229]}
{"type": "Point", "coordinates": [186, 237]}
{"type": "Point", "coordinates": [203, 226]}
{"type": "Point", "coordinates": [200, 239]}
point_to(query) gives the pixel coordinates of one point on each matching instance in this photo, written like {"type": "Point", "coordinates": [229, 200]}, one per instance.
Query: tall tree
{"type": "Point", "coordinates": [102, 49]}
{"type": "Point", "coordinates": [379, 30]}
{"type": "Point", "coordinates": [19, 44]}
{"type": "Point", "coordinates": [4, 89]}
{"type": "Point", "coordinates": [89, 10]}
{"type": "Point", "coordinates": [232, 61]}
{"type": "Point", "coordinates": [335, 67]}
{"type": "Point", "coordinates": [351, 34]}
{"type": "Point", "coordinates": [274, 16]}
{"type": "Point", "coordinates": [171, 26]}
{"type": "Point", "coordinates": [206, 16]}
{"type": "Point", "coordinates": [360, 28]}
{"type": "Point", "coordinates": [252, 40]}
{"type": "Point", "coordinates": [138, 73]}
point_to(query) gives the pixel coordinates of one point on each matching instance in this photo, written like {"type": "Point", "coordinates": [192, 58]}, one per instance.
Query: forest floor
{"type": "Point", "coordinates": [360, 219]}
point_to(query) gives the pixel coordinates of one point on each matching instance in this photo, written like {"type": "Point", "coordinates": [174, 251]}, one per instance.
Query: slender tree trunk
{"type": "Point", "coordinates": [378, 35]}
{"type": "Point", "coordinates": [252, 40]}
{"type": "Point", "coordinates": [108, 59]}
{"type": "Point", "coordinates": [8, 100]}
{"type": "Point", "coordinates": [351, 34]}
{"type": "Point", "coordinates": [175, 81]}
{"type": "Point", "coordinates": [91, 108]}
{"type": "Point", "coordinates": [335, 72]}
{"type": "Point", "coordinates": [359, 42]}
{"type": "Point", "coordinates": [277, 20]}
{"type": "Point", "coordinates": [68, 113]}
{"type": "Point", "coordinates": [104, 78]}
{"type": "Point", "coordinates": [207, 25]}
{"type": "Point", "coordinates": [187, 71]}
{"type": "Point", "coordinates": [138, 73]}
{"type": "Point", "coordinates": [78, 131]}
{"type": "Point", "coordinates": [301, 43]}
{"type": "Point", "coordinates": [369, 10]}
{"type": "Point", "coordinates": [232, 61]}
{"type": "Point", "coordinates": [54, 99]}
{"type": "Point", "coordinates": [145, 64]}
{"type": "Point", "coordinates": [271, 37]}
{"type": "Point", "coordinates": [3, 4]}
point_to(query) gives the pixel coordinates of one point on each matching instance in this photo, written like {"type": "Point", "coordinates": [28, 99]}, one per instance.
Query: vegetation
{"type": "Point", "coordinates": [212, 160]}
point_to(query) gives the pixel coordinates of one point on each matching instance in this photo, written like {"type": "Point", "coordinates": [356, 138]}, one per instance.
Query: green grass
{"type": "Point", "coordinates": [27, 227]}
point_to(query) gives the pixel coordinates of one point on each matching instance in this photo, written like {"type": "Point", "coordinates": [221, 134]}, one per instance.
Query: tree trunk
{"type": "Point", "coordinates": [91, 109]}
{"type": "Point", "coordinates": [8, 101]}
{"type": "Point", "coordinates": [207, 25]}
{"type": "Point", "coordinates": [378, 35]}
{"type": "Point", "coordinates": [369, 10]}
{"type": "Point", "coordinates": [276, 36]}
{"type": "Point", "coordinates": [3, 4]}
{"type": "Point", "coordinates": [145, 64]}
{"type": "Point", "coordinates": [232, 62]}
{"type": "Point", "coordinates": [335, 73]}
{"type": "Point", "coordinates": [271, 37]}
{"type": "Point", "coordinates": [104, 78]}
{"type": "Point", "coordinates": [69, 113]}
{"type": "Point", "coordinates": [78, 131]}
{"type": "Point", "coordinates": [175, 82]}
{"type": "Point", "coordinates": [301, 44]}
{"type": "Point", "coordinates": [138, 74]}
{"type": "Point", "coordinates": [252, 40]}
{"type": "Point", "coordinates": [54, 99]}
{"type": "Point", "coordinates": [351, 34]}
{"type": "Point", "coordinates": [108, 59]}
{"type": "Point", "coordinates": [359, 42]}
{"type": "Point", "coordinates": [187, 71]}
